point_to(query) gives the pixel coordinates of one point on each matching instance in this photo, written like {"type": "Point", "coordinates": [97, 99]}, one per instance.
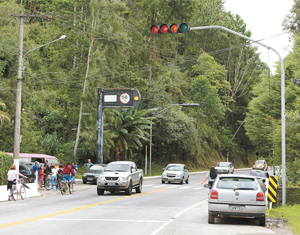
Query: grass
{"type": "Point", "coordinates": [291, 214]}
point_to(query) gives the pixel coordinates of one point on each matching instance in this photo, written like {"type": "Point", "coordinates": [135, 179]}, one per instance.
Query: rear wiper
{"type": "Point", "coordinates": [243, 189]}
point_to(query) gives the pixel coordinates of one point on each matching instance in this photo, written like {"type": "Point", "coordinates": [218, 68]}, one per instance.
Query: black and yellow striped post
{"type": "Point", "coordinates": [272, 189]}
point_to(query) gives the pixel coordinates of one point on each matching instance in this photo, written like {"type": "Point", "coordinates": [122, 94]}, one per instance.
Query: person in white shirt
{"type": "Point", "coordinates": [11, 177]}
{"type": "Point", "coordinates": [53, 175]}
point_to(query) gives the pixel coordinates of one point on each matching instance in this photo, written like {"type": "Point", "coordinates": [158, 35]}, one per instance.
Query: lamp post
{"type": "Point", "coordinates": [183, 105]}
{"type": "Point", "coordinates": [17, 137]}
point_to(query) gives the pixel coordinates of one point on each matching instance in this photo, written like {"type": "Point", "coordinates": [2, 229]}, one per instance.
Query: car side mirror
{"type": "Point", "coordinates": [164, 169]}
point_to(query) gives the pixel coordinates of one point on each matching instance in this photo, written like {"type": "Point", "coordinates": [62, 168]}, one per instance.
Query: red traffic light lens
{"type": "Point", "coordinates": [154, 29]}
{"type": "Point", "coordinates": [164, 28]}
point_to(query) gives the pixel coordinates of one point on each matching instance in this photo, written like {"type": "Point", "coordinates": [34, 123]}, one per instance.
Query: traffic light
{"type": "Point", "coordinates": [170, 28]}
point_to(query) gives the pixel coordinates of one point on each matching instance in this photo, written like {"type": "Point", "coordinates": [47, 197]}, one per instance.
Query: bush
{"type": "Point", "coordinates": [292, 195]}
{"type": "Point", "coordinates": [6, 161]}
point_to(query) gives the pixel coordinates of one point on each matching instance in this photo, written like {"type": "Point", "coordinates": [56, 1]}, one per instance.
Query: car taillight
{"type": "Point", "coordinates": [214, 194]}
{"type": "Point", "coordinates": [260, 196]}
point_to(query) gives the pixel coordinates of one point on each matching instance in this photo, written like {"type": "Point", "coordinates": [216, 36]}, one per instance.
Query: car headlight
{"type": "Point", "coordinates": [101, 178]}
{"type": "Point", "coordinates": [179, 175]}
{"type": "Point", "coordinates": [164, 174]}
{"type": "Point", "coordinates": [84, 174]}
{"type": "Point", "coordinates": [123, 178]}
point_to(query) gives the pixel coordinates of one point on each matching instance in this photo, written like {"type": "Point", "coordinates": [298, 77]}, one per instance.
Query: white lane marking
{"type": "Point", "coordinates": [176, 216]}
{"type": "Point", "coordinates": [158, 186]}
{"type": "Point", "coordinates": [199, 188]}
{"type": "Point", "coordinates": [172, 187]}
{"type": "Point", "coordinates": [188, 187]}
{"type": "Point", "coordinates": [109, 220]}
{"type": "Point", "coordinates": [148, 185]}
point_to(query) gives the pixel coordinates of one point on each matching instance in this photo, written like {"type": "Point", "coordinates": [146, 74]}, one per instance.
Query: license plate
{"type": "Point", "coordinates": [170, 179]}
{"type": "Point", "coordinates": [111, 183]}
{"type": "Point", "coordinates": [236, 208]}
{"type": "Point", "coordinates": [89, 178]}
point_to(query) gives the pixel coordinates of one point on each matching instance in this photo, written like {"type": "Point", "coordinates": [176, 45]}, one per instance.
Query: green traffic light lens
{"type": "Point", "coordinates": [184, 28]}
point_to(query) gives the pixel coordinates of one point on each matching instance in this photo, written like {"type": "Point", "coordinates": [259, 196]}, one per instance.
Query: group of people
{"type": "Point", "coordinates": [63, 172]}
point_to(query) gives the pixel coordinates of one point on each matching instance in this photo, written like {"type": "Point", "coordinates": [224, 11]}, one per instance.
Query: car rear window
{"type": "Point", "coordinates": [237, 182]}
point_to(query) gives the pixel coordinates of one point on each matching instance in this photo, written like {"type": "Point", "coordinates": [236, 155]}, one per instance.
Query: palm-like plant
{"type": "Point", "coordinates": [130, 127]}
{"type": "Point", "coordinates": [3, 115]}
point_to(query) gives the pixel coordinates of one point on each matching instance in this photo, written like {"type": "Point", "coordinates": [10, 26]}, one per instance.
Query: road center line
{"type": "Point", "coordinates": [76, 209]}
{"type": "Point", "coordinates": [108, 220]}
{"type": "Point", "coordinates": [175, 217]}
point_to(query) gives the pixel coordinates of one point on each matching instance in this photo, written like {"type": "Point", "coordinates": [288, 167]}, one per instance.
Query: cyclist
{"type": "Point", "coordinates": [67, 171]}
{"type": "Point", "coordinates": [11, 177]}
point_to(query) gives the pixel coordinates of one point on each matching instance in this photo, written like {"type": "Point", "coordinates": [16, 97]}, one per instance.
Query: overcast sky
{"type": "Point", "coordinates": [264, 19]}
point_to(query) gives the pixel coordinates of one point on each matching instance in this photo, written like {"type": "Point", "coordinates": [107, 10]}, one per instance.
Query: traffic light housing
{"type": "Point", "coordinates": [170, 28]}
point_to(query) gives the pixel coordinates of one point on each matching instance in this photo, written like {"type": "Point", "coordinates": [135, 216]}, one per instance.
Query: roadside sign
{"type": "Point", "coordinates": [272, 189]}
{"type": "Point", "coordinates": [121, 98]}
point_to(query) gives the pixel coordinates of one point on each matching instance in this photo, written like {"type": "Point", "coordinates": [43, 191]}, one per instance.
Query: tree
{"type": "Point", "coordinates": [4, 117]}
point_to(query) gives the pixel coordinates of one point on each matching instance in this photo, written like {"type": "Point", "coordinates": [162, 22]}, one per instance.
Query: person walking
{"type": "Point", "coordinates": [12, 177]}
{"type": "Point", "coordinates": [89, 164]}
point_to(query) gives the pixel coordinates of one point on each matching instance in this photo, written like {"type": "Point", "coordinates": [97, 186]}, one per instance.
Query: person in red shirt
{"type": "Point", "coordinates": [67, 171]}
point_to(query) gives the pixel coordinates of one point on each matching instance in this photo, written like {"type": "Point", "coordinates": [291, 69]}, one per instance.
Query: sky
{"type": "Point", "coordinates": [264, 19]}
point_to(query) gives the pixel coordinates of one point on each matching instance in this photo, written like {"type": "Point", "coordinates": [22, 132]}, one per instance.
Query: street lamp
{"type": "Point", "coordinates": [183, 105]}
{"type": "Point", "coordinates": [18, 100]}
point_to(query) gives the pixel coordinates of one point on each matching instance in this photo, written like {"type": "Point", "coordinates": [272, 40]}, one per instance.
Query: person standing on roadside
{"type": "Point", "coordinates": [89, 164]}
{"type": "Point", "coordinates": [36, 169]}
{"type": "Point", "coordinates": [47, 172]}
{"type": "Point", "coordinates": [53, 175]}
{"type": "Point", "coordinates": [41, 175]}
{"type": "Point", "coordinates": [74, 166]}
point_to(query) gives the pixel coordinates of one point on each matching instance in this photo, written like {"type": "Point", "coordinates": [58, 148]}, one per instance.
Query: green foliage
{"type": "Point", "coordinates": [288, 213]}
{"type": "Point", "coordinates": [6, 161]}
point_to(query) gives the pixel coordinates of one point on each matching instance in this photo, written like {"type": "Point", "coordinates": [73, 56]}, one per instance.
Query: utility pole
{"type": "Point", "coordinates": [17, 136]}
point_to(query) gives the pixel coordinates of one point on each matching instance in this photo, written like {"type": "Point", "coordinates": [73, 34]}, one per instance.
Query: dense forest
{"type": "Point", "coordinates": [109, 44]}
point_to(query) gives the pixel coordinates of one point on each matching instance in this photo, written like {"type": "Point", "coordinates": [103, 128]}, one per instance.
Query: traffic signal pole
{"type": "Point", "coordinates": [282, 99]}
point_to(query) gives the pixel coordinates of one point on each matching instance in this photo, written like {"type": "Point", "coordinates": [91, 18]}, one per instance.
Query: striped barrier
{"type": "Point", "coordinates": [272, 189]}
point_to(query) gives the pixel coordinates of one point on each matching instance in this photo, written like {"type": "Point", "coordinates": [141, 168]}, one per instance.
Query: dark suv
{"type": "Point", "coordinates": [27, 171]}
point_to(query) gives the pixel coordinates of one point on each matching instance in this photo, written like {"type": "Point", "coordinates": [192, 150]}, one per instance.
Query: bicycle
{"type": "Point", "coordinates": [65, 186]}
{"type": "Point", "coordinates": [18, 189]}
{"type": "Point", "coordinates": [57, 183]}
{"type": "Point", "coordinates": [48, 187]}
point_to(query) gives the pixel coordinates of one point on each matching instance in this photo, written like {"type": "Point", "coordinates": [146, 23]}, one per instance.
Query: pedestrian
{"type": "Point", "coordinates": [264, 186]}
{"type": "Point", "coordinates": [53, 175]}
{"type": "Point", "coordinates": [89, 164]}
{"type": "Point", "coordinates": [12, 177]}
{"type": "Point", "coordinates": [210, 176]}
{"type": "Point", "coordinates": [60, 173]}
{"type": "Point", "coordinates": [41, 173]}
{"type": "Point", "coordinates": [74, 166]}
{"type": "Point", "coordinates": [47, 173]}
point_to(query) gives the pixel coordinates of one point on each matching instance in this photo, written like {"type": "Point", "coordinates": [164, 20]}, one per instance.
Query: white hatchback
{"type": "Point", "coordinates": [236, 196]}
{"type": "Point", "coordinates": [224, 168]}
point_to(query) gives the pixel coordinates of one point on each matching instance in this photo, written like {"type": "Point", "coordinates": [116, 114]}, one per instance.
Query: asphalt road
{"type": "Point", "coordinates": [167, 209]}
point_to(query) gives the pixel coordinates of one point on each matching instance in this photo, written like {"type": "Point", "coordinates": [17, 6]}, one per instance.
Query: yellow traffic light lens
{"type": "Point", "coordinates": [136, 98]}
{"type": "Point", "coordinates": [174, 28]}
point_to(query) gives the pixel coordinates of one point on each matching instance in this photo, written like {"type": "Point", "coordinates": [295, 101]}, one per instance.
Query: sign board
{"type": "Point", "coordinates": [272, 189]}
{"type": "Point", "coordinates": [121, 98]}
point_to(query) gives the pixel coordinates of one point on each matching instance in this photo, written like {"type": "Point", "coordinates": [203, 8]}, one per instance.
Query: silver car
{"type": "Point", "coordinates": [260, 176]}
{"type": "Point", "coordinates": [224, 168]}
{"type": "Point", "coordinates": [175, 173]}
{"type": "Point", "coordinates": [236, 196]}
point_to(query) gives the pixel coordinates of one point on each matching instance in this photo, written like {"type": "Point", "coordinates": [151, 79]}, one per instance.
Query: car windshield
{"type": "Point", "coordinates": [96, 168]}
{"type": "Point", "coordinates": [222, 164]}
{"type": "Point", "coordinates": [259, 162]}
{"type": "Point", "coordinates": [174, 168]}
{"type": "Point", "coordinates": [117, 167]}
{"type": "Point", "coordinates": [258, 173]}
{"type": "Point", "coordinates": [237, 183]}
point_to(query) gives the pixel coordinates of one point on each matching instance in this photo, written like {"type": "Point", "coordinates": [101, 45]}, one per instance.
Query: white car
{"type": "Point", "coordinates": [175, 173]}
{"type": "Point", "coordinates": [236, 196]}
{"type": "Point", "coordinates": [224, 168]}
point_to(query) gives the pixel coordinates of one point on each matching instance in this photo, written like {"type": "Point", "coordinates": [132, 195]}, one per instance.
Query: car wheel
{"type": "Point", "coordinates": [232, 172]}
{"type": "Point", "coordinates": [187, 180]}
{"type": "Point", "coordinates": [84, 182]}
{"type": "Point", "coordinates": [129, 190]}
{"type": "Point", "coordinates": [139, 188]}
{"type": "Point", "coordinates": [162, 182]}
{"type": "Point", "coordinates": [100, 191]}
{"type": "Point", "coordinates": [169, 182]}
{"type": "Point", "coordinates": [211, 218]}
{"type": "Point", "coordinates": [181, 182]}
{"type": "Point", "coordinates": [262, 221]}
